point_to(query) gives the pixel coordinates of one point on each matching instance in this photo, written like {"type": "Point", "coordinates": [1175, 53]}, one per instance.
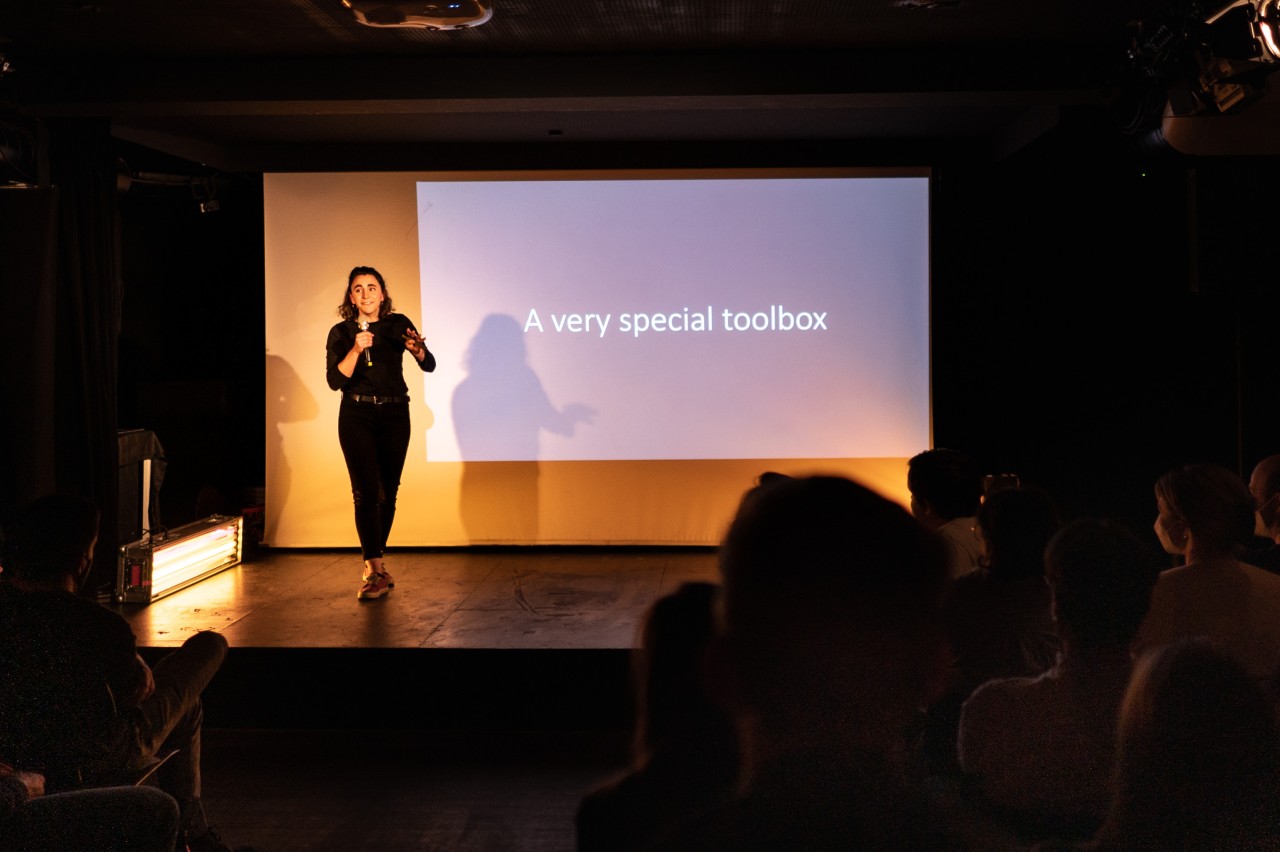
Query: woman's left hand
{"type": "Point", "coordinates": [414, 343]}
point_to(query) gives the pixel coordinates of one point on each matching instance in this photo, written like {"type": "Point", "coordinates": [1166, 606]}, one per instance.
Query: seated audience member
{"type": "Point", "coordinates": [1264, 485]}
{"type": "Point", "coordinates": [685, 755]}
{"type": "Point", "coordinates": [829, 643]}
{"type": "Point", "coordinates": [1038, 751]}
{"type": "Point", "coordinates": [1197, 756]}
{"type": "Point", "coordinates": [99, 819]}
{"type": "Point", "coordinates": [1204, 514]}
{"type": "Point", "coordinates": [946, 488]}
{"type": "Point", "coordinates": [997, 619]}
{"type": "Point", "coordinates": [78, 704]}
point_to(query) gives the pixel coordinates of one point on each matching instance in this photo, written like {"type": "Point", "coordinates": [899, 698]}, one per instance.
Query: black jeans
{"type": "Point", "coordinates": [375, 440]}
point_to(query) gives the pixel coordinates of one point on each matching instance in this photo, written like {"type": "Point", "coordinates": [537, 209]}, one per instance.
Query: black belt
{"type": "Point", "coordinates": [376, 400]}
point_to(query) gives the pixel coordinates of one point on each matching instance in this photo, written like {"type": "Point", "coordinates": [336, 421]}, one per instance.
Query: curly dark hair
{"type": "Point", "coordinates": [348, 311]}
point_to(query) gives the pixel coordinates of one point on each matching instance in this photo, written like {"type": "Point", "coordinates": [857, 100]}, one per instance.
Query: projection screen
{"type": "Point", "coordinates": [620, 354]}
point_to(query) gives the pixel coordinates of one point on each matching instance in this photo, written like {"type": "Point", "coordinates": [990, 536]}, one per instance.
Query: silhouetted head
{"type": "Point", "coordinates": [1015, 525]}
{"type": "Point", "coordinates": [1197, 753]}
{"type": "Point", "coordinates": [1264, 485]}
{"type": "Point", "coordinates": [51, 540]}
{"type": "Point", "coordinates": [1207, 500]}
{"type": "Point", "coordinates": [674, 703]}
{"type": "Point", "coordinates": [498, 344]}
{"type": "Point", "coordinates": [1264, 481]}
{"type": "Point", "coordinates": [944, 484]}
{"type": "Point", "coordinates": [1101, 577]}
{"type": "Point", "coordinates": [831, 595]}
{"type": "Point", "coordinates": [347, 310]}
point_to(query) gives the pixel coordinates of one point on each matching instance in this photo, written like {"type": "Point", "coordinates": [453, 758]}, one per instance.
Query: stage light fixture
{"type": "Point", "coordinates": [1214, 63]}
{"type": "Point", "coordinates": [157, 565]}
{"type": "Point", "coordinates": [1267, 28]}
{"type": "Point", "coordinates": [1263, 22]}
{"type": "Point", "coordinates": [423, 14]}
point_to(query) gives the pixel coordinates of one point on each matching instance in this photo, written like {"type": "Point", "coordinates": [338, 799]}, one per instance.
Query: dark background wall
{"type": "Point", "coordinates": [191, 341]}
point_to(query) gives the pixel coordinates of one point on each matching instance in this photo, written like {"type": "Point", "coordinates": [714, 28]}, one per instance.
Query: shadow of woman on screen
{"type": "Point", "coordinates": [288, 401]}
{"type": "Point", "coordinates": [499, 413]}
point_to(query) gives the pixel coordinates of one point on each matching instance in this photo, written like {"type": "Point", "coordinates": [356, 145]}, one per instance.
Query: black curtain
{"type": "Point", "coordinates": [28, 287]}
{"type": "Point", "coordinates": [82, 167]}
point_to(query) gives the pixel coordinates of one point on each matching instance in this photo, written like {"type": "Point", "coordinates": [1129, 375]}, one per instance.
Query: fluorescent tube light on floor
{"type": "Point", "coordinates": [154, 567]}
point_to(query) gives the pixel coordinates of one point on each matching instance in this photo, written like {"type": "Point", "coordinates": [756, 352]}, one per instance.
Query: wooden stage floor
{"type": "Point", "coordinates": [502, 598]}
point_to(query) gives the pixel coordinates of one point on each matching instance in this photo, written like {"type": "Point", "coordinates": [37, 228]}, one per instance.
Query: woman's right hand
{"type": "Point", "coordinates": [364, 340]}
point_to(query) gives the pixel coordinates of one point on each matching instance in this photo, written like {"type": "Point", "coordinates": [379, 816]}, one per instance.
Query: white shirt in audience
{"type": "Point", "coordinates": [1043, 746]}
{"type": "Point", "coordinates": [1235, 604]}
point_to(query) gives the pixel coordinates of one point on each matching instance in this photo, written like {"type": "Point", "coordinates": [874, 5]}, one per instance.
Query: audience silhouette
{"type": "Point", "coordinates": [782, 707]}
{"type": "Point", "coordinates": [997, 619]}
{"type": "Point", "coordinates": [1197, 758]}
{"type": "Point", "coordinates": [946, 488]}
{"type": "Point", "coordinates": [1037, 752]}
{"type": "Point", "coordinates": [78, 704]}
{"type": "Point", "coordinates": [829, 643]}
{"type": "Point", "coordinates": [684, 753]}
{"type": "Point", "coordinates": [1264, 485]}
{"type": "Point", "coordinates": [1204, 516]}
{"type": "Point", "coordinates": [101, 819]}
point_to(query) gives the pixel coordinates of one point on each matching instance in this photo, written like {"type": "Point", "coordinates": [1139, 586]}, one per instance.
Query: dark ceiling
{"type": "Point", "coordinates": [260, 85]}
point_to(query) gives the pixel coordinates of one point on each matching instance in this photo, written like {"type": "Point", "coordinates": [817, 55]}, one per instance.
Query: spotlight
{"type": "Point", "coordinates": [1216, 63]}
{"type": "Point", "coordinates": [1197, 69]}
{"type": "Point", "coordinates": [1267, 29]}
{"type": "Point", "coordinates": [1263, 26]}
{"type": "Point", "coordinates": [205, 191]}
{"type": "Point", "coordinates": [424, 14]}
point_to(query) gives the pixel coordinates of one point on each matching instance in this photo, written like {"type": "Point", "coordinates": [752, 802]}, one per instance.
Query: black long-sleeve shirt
{"type": "Point", "coordinates": [386, 376]}
{"type": "Point", "coordinates": [64, 661]}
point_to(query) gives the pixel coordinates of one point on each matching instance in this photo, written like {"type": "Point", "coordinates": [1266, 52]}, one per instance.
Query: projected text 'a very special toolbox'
{"type": "Point", "coordinates": [676, 318]}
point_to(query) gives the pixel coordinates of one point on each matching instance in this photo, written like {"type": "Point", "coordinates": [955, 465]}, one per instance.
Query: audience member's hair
{"type": "Point", "coordinates": [1101, 577]}
{"type": "Point", "coordinates": [685, 748]}
{"type": "Point", "coordinates": [949, 480]}
{"type": "Point", "coordinates": [1198, 754]}
{"type": "Point", "coordinates": [47, 539]}
{"type": "Point", "coordinates": [1016, 525]}
{"type": "Point", "coordinates": [825, 562]}
{"type": "Point", "coordinates": [673, 705]}
{"type": "Point", "coordinates": [770, 477]}
{"type": "Point", "coordinates": [1269, 481]}
{"type": "Point", "coordinates": [1212, 501]}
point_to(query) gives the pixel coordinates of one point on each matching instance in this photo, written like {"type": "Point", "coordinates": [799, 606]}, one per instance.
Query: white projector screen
{"type": "Point", "coordinates": [620, 354]}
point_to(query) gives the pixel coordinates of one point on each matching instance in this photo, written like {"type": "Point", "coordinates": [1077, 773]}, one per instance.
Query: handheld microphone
{"type": "Point", "coordinates": [368, 353]}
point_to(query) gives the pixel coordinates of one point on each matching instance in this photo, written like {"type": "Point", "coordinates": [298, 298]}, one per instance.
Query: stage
{"type": "Point", "coordinates": [527, 598]}
{"type": "Point", "coordinates": [489, 638]}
